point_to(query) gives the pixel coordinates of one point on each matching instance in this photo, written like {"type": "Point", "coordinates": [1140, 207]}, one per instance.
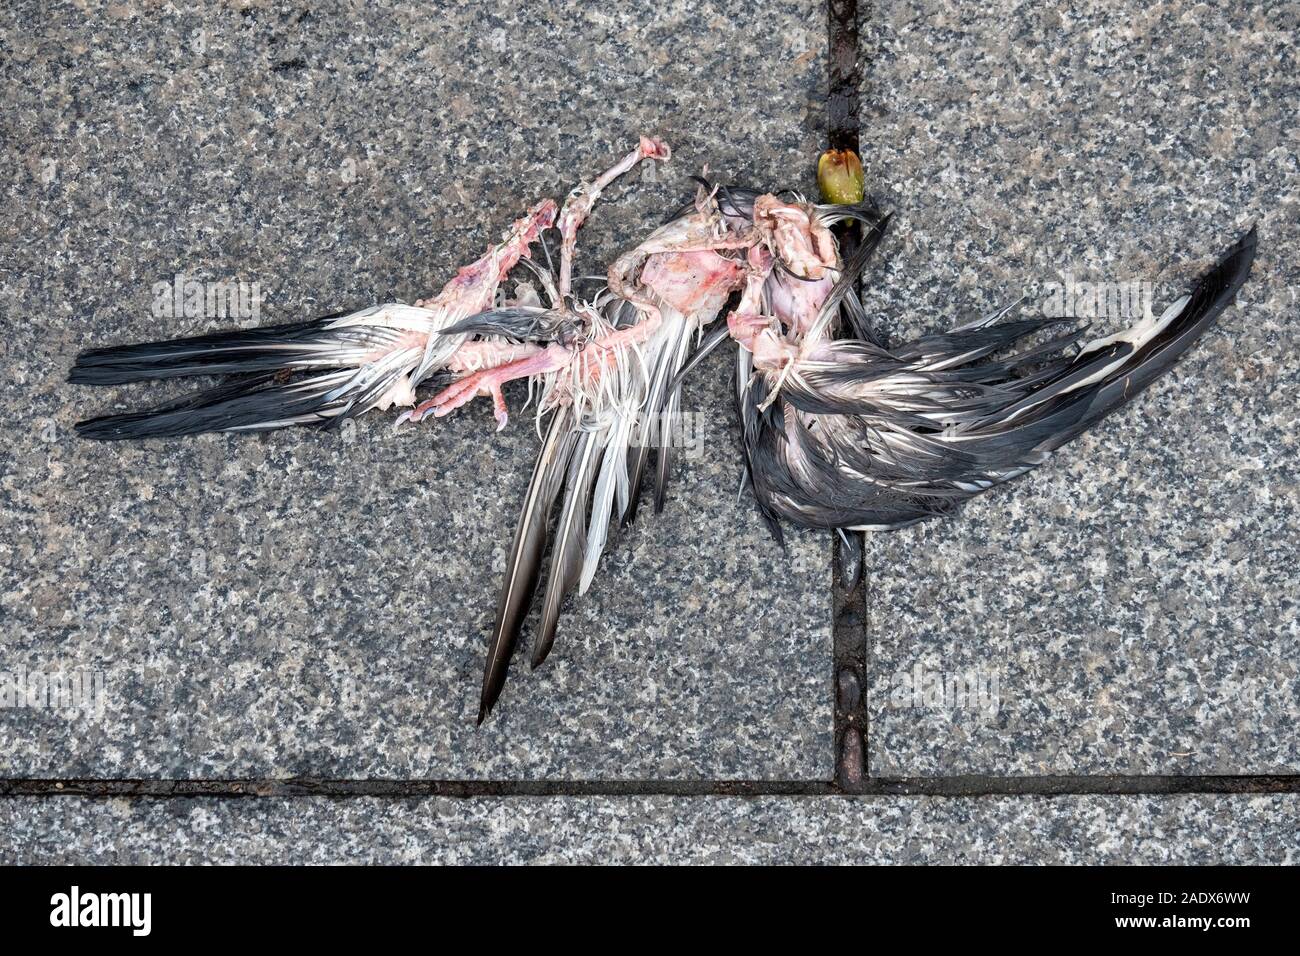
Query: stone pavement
{"type": "Point", "coordinates": [841, 830]}
{"type": "Point", "coordinates": [314, 604]}
{"type": "Point", "coordinates": [1135, 599]}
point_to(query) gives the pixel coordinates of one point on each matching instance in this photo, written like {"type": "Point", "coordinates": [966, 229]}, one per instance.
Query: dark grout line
{"type": "Point", "coordinates": [964, 786]}
{"type": "Point", "coordinates": [844, 77]}
{"type": "Point", "coordinates": [848, 590]}
{"type": "Point", "coordinates": [318, 787]}
{"type": "Point", "coordinates": [849, 660]}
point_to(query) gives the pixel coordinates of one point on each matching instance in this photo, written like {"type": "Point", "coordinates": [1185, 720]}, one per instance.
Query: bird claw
{"type": "Point", "coordinates": [499, 409]}
{"type": "Point", "coordinates": [416, 415]}
{"type": "Point", "coordinates": [457, 394]}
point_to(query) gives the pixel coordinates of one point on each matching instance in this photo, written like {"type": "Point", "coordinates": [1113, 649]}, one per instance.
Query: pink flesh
{"type": "Point", "coordinates": [796, 302]}
{"type": "Point", "coordinates": [475, 285]}
{"type": "Point", "coordinates": [408, 340]}
{"type": "Point", "coordinates": [472, 290]}
{"type": "Point", "coordinates": [580, 203]}
{"type": "Point", "coordinates": [692, 282]}
{"type": "Point", "coordinates": [475, 356]}
{"type": "Point", "coordinates": [489, 365]}
{"type": "Point", "coordinates": [679, 266]}
{"type": "Point", "coordinates": [749, 327]}
{"type": "Point", "coordinates": [806, 247]}
{"type": "Point", "coordinates": [488, 381]}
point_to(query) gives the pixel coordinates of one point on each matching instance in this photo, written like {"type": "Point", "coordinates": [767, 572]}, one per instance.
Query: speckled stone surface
{"type": "Point", "coordinates": [1140, 830]}
{"type": "Point", "coordinates": [306, 603]}
{"type": "Point", "coordinates": [1135, 599]}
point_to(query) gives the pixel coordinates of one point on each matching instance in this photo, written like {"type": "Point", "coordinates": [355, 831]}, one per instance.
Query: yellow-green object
{"type": "Point", "coordinates": [839, 175]}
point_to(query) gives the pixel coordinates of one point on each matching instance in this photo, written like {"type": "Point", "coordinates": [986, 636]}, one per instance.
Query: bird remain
{"type": "Point", "coordinates": [838, 429]}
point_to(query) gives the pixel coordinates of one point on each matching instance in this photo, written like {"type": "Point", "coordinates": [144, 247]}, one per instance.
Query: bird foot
{"type": "Point", "coordinates": [459, 393]}
{"type": "Point", "coordinates": [488, 382]}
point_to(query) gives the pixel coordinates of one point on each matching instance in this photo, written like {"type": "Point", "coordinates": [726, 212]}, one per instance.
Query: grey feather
{"type": "Point", "coordinates": [523, 565]}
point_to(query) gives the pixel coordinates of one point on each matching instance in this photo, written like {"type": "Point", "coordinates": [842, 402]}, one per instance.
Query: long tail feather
{"type": "Point", "coordinates": [666, 456]}
{"type": "Point", "coordinates": [313, 372]}
{"type": "Point", "coordinates": [248, 404]}
{"type": "Point", "coordinates": [220, 353]}
{"type": "Point", "coordinates": [1157, 346]}
{"type": "Point", "coordinates": [567, 552]}
{"type": "Point", "coordinates": [523, 566]}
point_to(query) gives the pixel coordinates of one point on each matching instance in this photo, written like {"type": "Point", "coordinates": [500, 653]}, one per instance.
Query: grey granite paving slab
{"type": "Point", "coordinates": [1135, 599]}
{"type": "Point", "coordinates": [306, 603]}
{"type": "Point", "coordinates": [1061, 830]}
